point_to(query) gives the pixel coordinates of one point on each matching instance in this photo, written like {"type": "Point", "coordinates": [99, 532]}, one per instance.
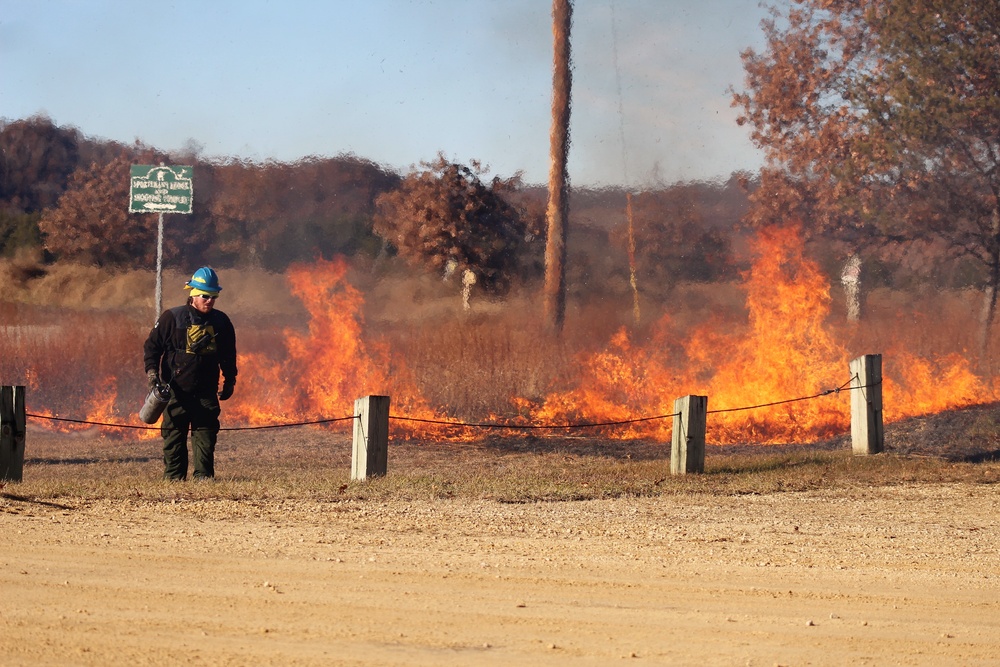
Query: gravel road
{"type": "Point", "coordinates": [900, 575]}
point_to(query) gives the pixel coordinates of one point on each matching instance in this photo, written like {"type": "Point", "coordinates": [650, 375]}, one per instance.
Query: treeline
{"type": "Point", "coordinates": [878, 121]}
{"type": "Point", "coordinates": [64, 196]}
{"type": "Point", "coordinates": [68, 195]}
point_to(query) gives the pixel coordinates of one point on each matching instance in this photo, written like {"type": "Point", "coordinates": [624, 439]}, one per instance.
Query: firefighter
{"type": "Point", "coordinates": [187, 349]}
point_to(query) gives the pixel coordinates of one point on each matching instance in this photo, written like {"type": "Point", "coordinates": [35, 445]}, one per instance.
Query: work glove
{"type": "Point", "coordinates": [152, 379]}
{"type": "Point", "coordinates": [227, 390]}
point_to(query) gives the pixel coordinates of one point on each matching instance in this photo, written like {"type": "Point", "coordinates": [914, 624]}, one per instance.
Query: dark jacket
{"type": "Point", "coordinates": [188, 349]}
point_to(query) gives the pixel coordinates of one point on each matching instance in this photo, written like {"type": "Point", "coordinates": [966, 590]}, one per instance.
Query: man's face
{"type": "Point", "coordinates": [204, 303]}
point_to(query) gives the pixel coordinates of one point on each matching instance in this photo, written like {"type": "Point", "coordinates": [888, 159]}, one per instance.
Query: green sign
{"type": "Point", "coordinates": [161, 189]}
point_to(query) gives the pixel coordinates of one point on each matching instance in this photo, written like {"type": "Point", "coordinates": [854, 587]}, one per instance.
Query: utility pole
{"type": "Point", "coordinates": [558, 207]}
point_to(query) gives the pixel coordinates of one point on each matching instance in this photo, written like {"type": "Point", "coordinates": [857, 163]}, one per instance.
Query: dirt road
{"type": "Point", "coordinates": [904, 576]}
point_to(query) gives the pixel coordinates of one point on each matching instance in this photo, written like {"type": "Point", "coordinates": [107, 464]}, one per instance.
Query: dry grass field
{"type": "Point", "coordinates": [484, 547]}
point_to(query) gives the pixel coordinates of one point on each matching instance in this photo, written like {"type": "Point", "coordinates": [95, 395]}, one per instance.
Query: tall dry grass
{"type": "Point", "coordinates": [475, 364]}
{"type": "Point", "coordinates": [66, 344]}
{"type": "Point", "coordinates": [70, 361]}
{"type": "Point", "coordinates": [74, 335]}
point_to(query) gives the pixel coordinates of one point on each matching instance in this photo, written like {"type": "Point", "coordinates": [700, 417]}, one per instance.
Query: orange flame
{"type": "Point", "coordinates": [787, 352]}
{"type": "Point", "coordinates": [775, 379]}
{"type": "Point", "coordinates": [99, 409]}
{"type": "Point", "coordinates": [325, 369]}
{"type": "Point", "coordinates": [787, 355]}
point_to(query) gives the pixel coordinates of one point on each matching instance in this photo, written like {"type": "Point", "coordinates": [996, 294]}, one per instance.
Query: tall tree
{"type": "Point", "coordinates": [36, 160]}
{"type": "Point", "coordinates": [880, 119]}
{"type": "Point", "coordinates": [246, 209]}
{"type": "Point", "coordinates": [446, 218]}
{"type": "Point", "coordinates": [271, 214]}
{"type": "Point", "coordinates": [92, 224]}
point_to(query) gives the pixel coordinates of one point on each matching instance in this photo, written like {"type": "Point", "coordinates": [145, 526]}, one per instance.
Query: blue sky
{"type": "Point", "coordinates": [393, 81]}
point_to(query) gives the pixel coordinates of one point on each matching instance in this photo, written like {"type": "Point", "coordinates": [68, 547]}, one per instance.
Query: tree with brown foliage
{"type": "Point", "coordinates": [880, 120]}
{"type": "Point", "coordinates": [330, 207]}
{"type": "Point", "coordinates": [271, 214]}
{"type": "Point", "coordinates": [444, 217]}
{"type": "Point", "coordinates": [36, 160]}
{"type": "Point", "coordinates": [245, 208]}
{"type": "Point", "coordinates": [92, 224]}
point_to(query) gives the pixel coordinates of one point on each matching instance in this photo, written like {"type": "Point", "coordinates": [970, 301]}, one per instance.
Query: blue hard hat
{"type": "Point", "coordinates": [205, 279]}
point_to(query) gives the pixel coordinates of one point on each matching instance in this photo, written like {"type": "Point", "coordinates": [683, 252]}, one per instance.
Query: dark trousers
{"type": "Point", "coordinates": [200, 415]}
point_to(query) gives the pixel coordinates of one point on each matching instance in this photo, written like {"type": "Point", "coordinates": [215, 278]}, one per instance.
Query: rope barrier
{"type": "Point", "coordinates": [308, 423]}
{"type": "Point", "coordinates": [486, 425]}
{"type": "Point", "coordinates": [532, 426]}
{"type": "Point", "coordinates": [825, 392]}
{"type": "Point", "coordinates": [157, 428]}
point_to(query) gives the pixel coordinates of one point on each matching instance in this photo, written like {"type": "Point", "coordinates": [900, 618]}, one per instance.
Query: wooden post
{"type": "Point", "coordinates": [12, 428]}
{"type": "Point", "coordinates": [371, 437]}
{"type": "Point", "coordinates": [557, 210]}
{"type": "Point", "coordinates": [687, 450]}
{"type": "Point", "coordinates": [867, 434]}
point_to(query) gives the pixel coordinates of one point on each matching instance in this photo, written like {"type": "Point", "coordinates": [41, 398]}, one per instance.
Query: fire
{"type": "Point", "coordinates": [621, 383]}
{"type": "Point", "coordinates": [98, 407]}
{"type": "Point", "coordinates": [924, 386]}
{"type": "Point", "coordinates": [330, 365]}
{"type": "Point", "coordinates": [776, 378]}
{"type": "Point", "coordinates": [787, 352]}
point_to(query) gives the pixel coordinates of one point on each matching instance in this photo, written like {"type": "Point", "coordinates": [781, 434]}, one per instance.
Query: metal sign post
{"type": "Point", "coordinates": [161, 189]}
{"type": "Point", "coordinates": [159, 267]}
